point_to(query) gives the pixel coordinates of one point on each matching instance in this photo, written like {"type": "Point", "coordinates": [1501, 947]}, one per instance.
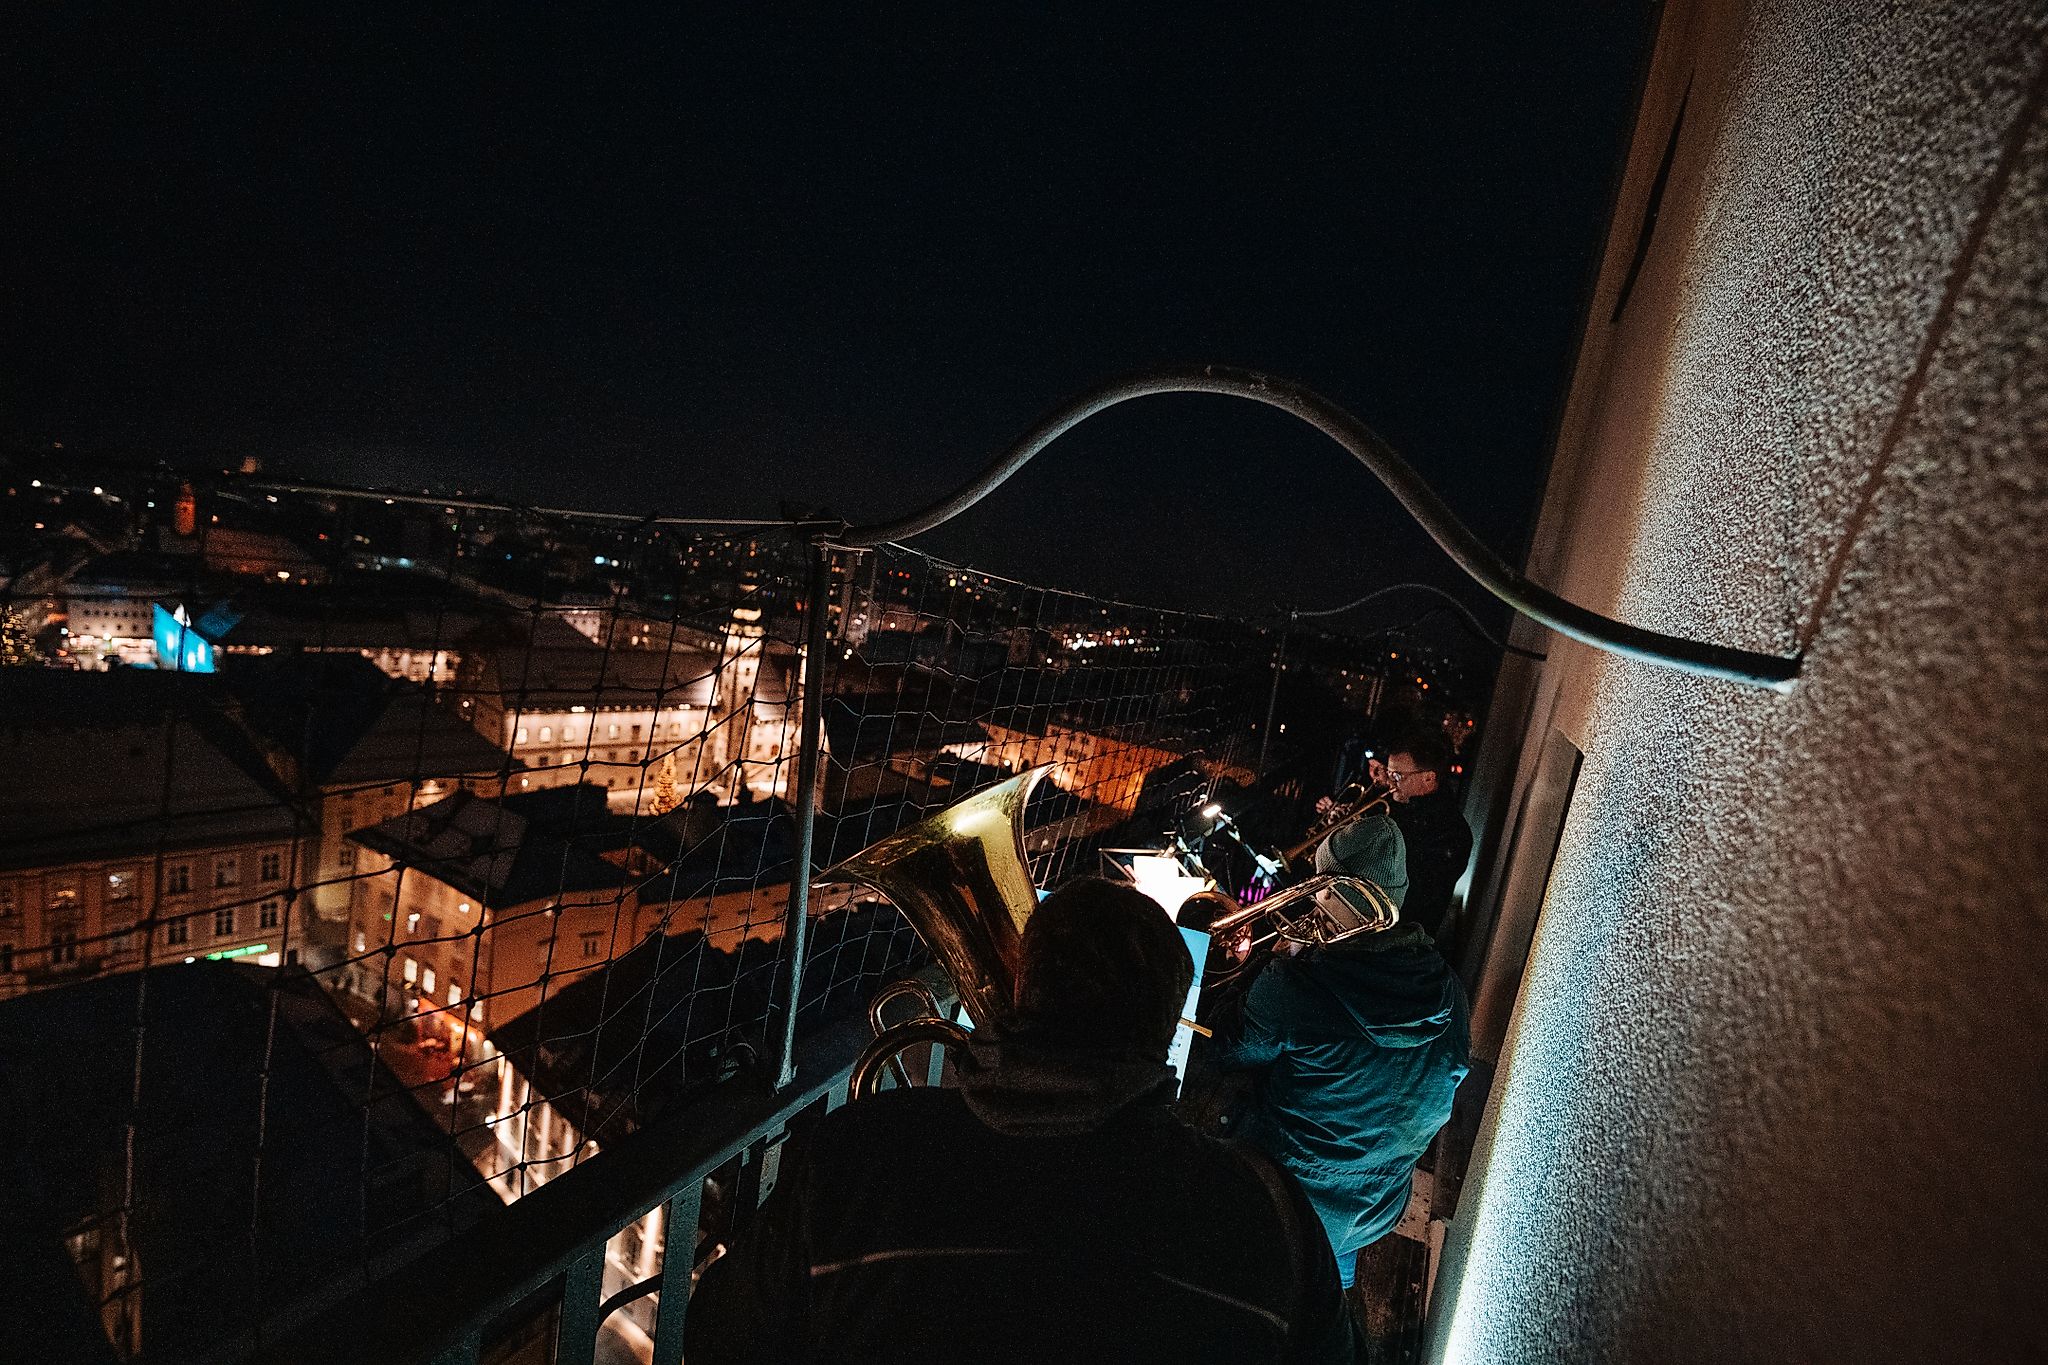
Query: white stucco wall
{"type": "Point", "coordinates": [1777, 1085]}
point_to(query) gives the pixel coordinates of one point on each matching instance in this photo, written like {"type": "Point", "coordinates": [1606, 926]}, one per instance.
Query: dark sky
{"type": "Point", "coordinates": [703, 259]}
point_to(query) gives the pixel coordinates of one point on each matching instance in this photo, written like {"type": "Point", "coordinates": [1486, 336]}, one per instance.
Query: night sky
{"type": "Point", "coordinates": [709, 262]}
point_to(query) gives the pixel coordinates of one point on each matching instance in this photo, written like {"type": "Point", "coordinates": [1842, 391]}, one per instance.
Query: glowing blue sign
{"type": "Point", "coordinates": [180, 648]}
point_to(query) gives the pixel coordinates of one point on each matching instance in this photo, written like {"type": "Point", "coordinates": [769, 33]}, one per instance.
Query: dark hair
{"type": "Point", "coordinates": [1431, 752]}
{"type": "Point", "coordinates": [1103, 964]}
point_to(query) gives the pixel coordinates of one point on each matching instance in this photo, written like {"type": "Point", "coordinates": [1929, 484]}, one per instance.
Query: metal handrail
{"type": "Point", "coordinates": [1384, 463]}
{"type": "Point", "coordinates": [1381, 460]}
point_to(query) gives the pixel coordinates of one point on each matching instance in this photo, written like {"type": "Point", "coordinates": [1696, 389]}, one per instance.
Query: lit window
{"type": "Point", "coordinates": [519, 736]}
{"type": "Point", "coordinates": [227, 871]}
{"type": "Point", "coordinates": [361, 944]}
{"type": "Point", "coordinates": [427, 981]}
{"type": "Point", "coordinates": [120, 886]}
{"type": "Point", "coordinates": [612, 731]}
{"type": "Point", "coordinates": [267, 913]}
{"type": "Point", "coordinates": [224, 921]}
{"type": "Point", "coordinates": [454, 994]}
{"type": "Point", "coordinates": [547, 732]}
{"type": "Point", "coordinates": [412, 971]}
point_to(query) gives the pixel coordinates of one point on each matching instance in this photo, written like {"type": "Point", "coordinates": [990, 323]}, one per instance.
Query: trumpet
{"type": "Point", "coordinates": [1356, 800]}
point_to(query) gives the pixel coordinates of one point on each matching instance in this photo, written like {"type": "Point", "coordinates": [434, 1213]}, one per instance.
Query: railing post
{"type": "Point", "coordinates": [678, 1260]}
{"type": "Point", "coordinates": [1273, 701]}
{"type": "Point", "coordinates": [796, 928]}
{"type": "Point", "coordinates": [576, 1323]}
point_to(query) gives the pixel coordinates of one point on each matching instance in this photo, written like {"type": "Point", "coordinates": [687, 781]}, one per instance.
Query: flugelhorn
{"type": "Point", "coordinates": [1357, 800]}
{"type": "Point", "coordinates": [1303, 914]}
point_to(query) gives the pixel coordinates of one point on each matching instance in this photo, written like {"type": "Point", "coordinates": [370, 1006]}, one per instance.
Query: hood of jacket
{"type": "Point", "coordinates": [1393, 988]}
{"type": "Point", "coordinates": [1026, 1083]}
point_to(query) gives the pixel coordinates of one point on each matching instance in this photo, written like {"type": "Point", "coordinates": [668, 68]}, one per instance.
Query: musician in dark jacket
{"type": "Point", "coordinates": [1358, 1047]}
{"type": "Point", "coordinates": [1050, 1209]}
{"type": "Point", "coordinates": [1438, 839]}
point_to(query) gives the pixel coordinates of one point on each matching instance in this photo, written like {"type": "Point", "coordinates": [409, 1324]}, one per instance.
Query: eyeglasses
{"type": "Point", "coordinates": [1395, 777]}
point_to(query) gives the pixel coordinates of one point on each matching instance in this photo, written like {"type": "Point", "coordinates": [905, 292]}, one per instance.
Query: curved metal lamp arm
{"type": "Point", "coordinates": [1466, 550]}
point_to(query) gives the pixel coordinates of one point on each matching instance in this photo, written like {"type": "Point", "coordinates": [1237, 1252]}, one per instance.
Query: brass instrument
{"type": "Point", "coordinates": [1323, 910]}
{"type": "Point", "coordinates": [1356, 801]}
{"type": "Point", "coordinates": [961, 878]}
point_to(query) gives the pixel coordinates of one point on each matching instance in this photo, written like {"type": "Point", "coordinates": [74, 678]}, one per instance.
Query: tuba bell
{"type": "Point", "coordinates": [962, 880]}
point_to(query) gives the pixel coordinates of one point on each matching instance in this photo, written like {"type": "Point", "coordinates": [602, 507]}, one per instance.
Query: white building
{"type": "Point", "coordinates": [135, 828]}
{"type": "Point", "coordinates": [721, 721]}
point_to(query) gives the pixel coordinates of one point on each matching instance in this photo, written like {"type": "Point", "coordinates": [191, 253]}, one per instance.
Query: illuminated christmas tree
{"type": "Point", "coordinates": [666, 797]}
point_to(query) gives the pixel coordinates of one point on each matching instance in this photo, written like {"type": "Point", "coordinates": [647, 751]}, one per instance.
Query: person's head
{"type": "Point", "coordinates": [1417, 766]}
{"type": "Point", "coordinates": [1372, 849]}
{"type": "Point", "coordinates": [1103, 967]}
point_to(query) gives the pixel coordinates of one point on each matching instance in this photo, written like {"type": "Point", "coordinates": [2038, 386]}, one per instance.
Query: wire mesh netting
{"type": "Point", "coordinates": [385, 860]}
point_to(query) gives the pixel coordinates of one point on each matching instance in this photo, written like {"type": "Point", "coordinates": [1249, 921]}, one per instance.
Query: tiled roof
{"type": "Point", "coordinates": [510, 851]}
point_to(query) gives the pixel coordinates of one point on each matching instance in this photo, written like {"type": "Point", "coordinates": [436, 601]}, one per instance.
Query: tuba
{"type": "Point", "coordinates": [961, 878]}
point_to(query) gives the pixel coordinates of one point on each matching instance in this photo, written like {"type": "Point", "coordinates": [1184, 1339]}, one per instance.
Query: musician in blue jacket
{"type": "Point", "coordinates": [1358, 1048]}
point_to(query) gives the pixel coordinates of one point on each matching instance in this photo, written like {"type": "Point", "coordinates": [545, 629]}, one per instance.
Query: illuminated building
{"type": "Point", "coordinates": [136, 826]}
{"type": "Point", "coordinates": [479, 902]}
{"type": "Point", "coordinates": [574, 712]}
{"type": "Point", "coordinates": [356, 748]}
{"type": "Point", "coordinates": [259, 554]}
{"type": "Point", "coordinates": [109, 605]}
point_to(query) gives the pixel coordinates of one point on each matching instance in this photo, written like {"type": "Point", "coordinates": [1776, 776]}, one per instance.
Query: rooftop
{"type": "Point", "coordinates": [346, 723]}
{"type": "Point", "coordinates": [125, 763]}
{"type": "Point", "coordinates": [508, 851]}
{"type": "Point", "coordinates": [214, 1082]}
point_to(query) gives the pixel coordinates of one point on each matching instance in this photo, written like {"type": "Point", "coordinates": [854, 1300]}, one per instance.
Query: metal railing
{"type": "Point", "coordinates": [534, 1270]}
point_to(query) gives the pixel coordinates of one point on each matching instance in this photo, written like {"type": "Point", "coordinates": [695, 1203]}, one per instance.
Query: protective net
{"type": "Point", "coordinates": [380, 860]}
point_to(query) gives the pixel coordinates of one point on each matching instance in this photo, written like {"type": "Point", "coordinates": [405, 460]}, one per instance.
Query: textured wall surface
{"type": "Point", "coordinates": [1777, 1085]}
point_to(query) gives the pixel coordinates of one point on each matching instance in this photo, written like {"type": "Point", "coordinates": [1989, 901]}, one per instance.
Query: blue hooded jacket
{"type": "Point", "coordinates": [1360, 1048]}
